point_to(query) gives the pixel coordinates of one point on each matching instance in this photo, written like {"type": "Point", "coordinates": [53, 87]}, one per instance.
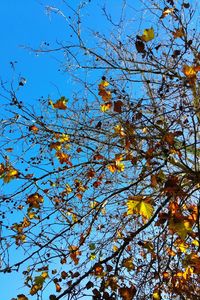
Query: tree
{"type": "Point", "coordinates": [104, 186]}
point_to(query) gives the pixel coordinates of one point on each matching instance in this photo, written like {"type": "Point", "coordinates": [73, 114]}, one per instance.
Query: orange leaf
{"type": "Point", "coordinates": [74, 252]}
{"type": "Point", "coordinates": [189, 71]}
{"type": "Point", "coordinates": [58, 287]}
{"type": "Point", "coordinates": [33, 128]}
{"type": "Point", "coordinates": [63, 157]}
{"type": "Point", "coordinates": [61, 103]}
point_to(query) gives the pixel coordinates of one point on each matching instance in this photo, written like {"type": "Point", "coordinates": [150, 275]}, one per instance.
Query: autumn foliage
{"type": "Point", "coordinates": [101, 195]}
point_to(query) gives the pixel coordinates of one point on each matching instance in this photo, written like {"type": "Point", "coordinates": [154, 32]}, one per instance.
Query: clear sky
{"type": "Point", "coordinates": [24, 23]}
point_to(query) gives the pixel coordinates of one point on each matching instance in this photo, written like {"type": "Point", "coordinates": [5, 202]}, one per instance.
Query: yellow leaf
{"type": "Point", "coordinates": [119, 130]}
{"type": "Point", "coordinates": [103, 84]}
{"type": "Point", "coordinates": [112, 168]}
{"type": "Point", "coordinates": [32, 215]}
{"type": "Point", "coordinates": [64, 138]}
{"type": "Point", "coordinates": [181, 246]}
{"type": "Point", "coordinates": [10, 174]}
{"type": "Point", "coordinates": [195, 242]}
{"type": "Point", "coordinates": [57, 146]}
{"type": "Point", "coordinates": [180, 226]}
{"type": "Point", "coordinates": [92, 256]}
{"type": "Point", "coordinates": [115, 248]}
{"type": "Point", "coordinates": [26, 222]}
{"type": "Point", "coordinates": [44, 275]}
{"type": "Point", "coordinates": [148, 35]}
{"type": "Point", "coordinates": [156, 295]}
{"type": "Point", "coordinates": [140, 205]}
{"type": "Point", "coordinates": [63, 157]}
{"type": "Point", "coordinates": [68, 189]}
{"type": "Point", "coordinates": [120, 166]}
{"type": "Point", "coordinates": [106, 106]}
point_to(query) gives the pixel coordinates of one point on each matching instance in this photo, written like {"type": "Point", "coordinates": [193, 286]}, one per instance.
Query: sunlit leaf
{"type": "Point", "coordinates": [140, 205]}
{"type": "Point", "coordinates": [35, 200]}
{"type": "Point", "coordinates": [61, 103]}
{"type": "Point", "coordinates": [105, 107]}
{"type": "Point", "coordinates": [34, 289]}
{"type": "Point", "coordinates": [189, 71]}
{"type": "Point", "coordinates": [166, 12]}
{"type": "Point", "coordinates": [148, 35]}
{"type": "Point", "coordinates": [156, 295]}
{"type": "Point", "coordinates": [119, 130]}
{"type": "Point", "coordinates": [10, 174]}
{"type": "Point", "coordinates": [63, 157]}
{"type": "Point", "coordinates": [180, 226]}
{"type": "Point", "coordinates": [33, 128]}
{"type": "Point", "coordinates": [103, 84]}
{"type": "Point", "coordinates": [58, 287]}
{"type": "Point", "coordinates": [63, 138]}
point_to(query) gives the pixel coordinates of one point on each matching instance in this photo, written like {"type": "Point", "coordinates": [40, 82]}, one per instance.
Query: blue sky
{"type": "Point", "coordinates": [23, 24]}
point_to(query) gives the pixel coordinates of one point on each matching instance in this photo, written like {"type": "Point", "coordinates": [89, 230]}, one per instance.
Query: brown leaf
{"type": "Point", "coordinates": [154, 182]}
{"type": "Point", "coordinates": [89, 285]}
{"type": "Point", "coordinates": [21, 297]}
{"type": "Point", "coordinates": [98, 269]}
{"type": "Point", "coordinates": [140, 46]}
{"type": "Point", "coordinates": [118, 106]}
{"type": "Point", "coordinates": [35, 200]}
{"type": "Point", "coordinates": [61, 103]}
{"type": "Point", "coordinates": [9, 149]}
{"type": "Point", "coordinates": [169, 138]}
{"type": "Point", "coordinates": [64, 275]}
{"type": "Point", "coordinates": [127, 293]}
{"type": "Point", "coordinates": [178, 33]}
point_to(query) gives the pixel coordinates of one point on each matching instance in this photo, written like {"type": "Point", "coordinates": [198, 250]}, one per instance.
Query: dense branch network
{"type": "Point", "coordinates": [100, 192]}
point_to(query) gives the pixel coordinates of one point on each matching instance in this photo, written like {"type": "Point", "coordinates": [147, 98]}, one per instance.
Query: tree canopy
{"type": "Point", "coordinates": [100, 189]}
